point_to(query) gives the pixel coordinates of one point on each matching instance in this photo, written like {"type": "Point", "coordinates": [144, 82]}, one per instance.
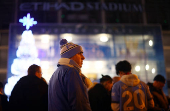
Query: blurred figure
{"type": "Point", "coordinates": [99, 95]}
{"type": "Point", "coordinates": [3, 99]}
{"type": "Point", "coordinates": [156, 89]}
{"type": "Point", "coordinates": [86, 81]}
{"type": "Point", "coordinates": [30, 93]}
{"type": "Point", "coordinates": [130, 93]}
{"type": "Point", "coordinates": [43, 80]}
{"type": "Point", "coordinates": [68, 87]}
{"type": "Point", "coordinates": [115, 79]}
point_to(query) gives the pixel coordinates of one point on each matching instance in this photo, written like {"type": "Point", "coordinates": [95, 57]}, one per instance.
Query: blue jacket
{"type": "Point", "coordinates": [66, 91]}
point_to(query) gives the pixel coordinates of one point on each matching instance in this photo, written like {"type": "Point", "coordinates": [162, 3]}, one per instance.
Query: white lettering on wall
{"type": "Point", "coordinates": [79, 6]}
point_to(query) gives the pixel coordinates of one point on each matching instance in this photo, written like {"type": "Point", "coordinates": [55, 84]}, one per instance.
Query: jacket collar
{"type": "Point", "coordinates": [69, 62]}
{"type": "Point", "coordinates": [130, 80]}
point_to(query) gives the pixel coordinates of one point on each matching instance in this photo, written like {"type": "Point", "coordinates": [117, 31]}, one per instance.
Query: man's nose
{"type": "Point", "coordinates": [83, 57]}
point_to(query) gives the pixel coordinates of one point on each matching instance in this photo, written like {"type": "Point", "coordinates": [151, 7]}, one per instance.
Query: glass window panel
{"type": "Point", "coordinates": [103, 47]}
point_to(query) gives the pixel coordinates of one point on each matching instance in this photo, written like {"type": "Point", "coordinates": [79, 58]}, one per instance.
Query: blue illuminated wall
{"type": "Point", "coordinates": [103, 47]}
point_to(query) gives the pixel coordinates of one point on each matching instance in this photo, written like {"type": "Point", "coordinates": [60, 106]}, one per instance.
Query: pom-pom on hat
{"type": "Point", "coordinates": [68, 50]}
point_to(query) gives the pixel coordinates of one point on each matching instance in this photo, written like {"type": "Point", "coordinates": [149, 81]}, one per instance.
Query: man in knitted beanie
{"type": "Point", "coordinates": [67, 91]}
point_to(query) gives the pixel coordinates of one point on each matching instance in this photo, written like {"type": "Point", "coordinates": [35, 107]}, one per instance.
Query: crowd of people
{"type": "Point", "coordinates": [70, 90]}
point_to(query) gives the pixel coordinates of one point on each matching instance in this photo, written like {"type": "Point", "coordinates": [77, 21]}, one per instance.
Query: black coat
{"type": "Point", "coordinates": [4, 103]}
{"type": "Point", "coordinates": [100, 98]}
{"type": "Point", "coordinates": [29, 94]}
{"type": "Point", "coordinates": [160, 100]}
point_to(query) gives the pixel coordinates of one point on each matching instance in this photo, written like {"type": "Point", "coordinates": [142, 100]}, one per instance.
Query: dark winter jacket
{"type": "Point", "coordinates": [160, 100]}
{"type": "Point", "coordinates": [100, 98]}
{"type": "Point", "coordinates": [29, 94]}
{"type": "Point", "coordinates": [3, 103]}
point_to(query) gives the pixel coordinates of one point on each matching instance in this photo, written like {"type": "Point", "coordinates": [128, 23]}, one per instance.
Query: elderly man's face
{"type": "Point", "coordinates": [78, 58]}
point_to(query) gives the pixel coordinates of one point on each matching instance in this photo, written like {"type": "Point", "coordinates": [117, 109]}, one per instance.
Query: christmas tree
{"type": "Point", "coordinates": [27, 55]}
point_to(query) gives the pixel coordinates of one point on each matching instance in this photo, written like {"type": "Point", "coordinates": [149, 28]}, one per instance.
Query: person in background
{"type": "Point", "coordinates": [156, 89]}
{"type": "Point", "coordinates": [86, 81]}
{"type": "Point", "coordinates": [30, 93]}
{"type": "Point", "coordinates": [43, 80]}
{"type": "Point", "coordinates": [3, 99]}
{"type": "Point", "coordinates": [99, 95]}
{"type": "Point", "coordinates": [130, 93]}
{"type": "Point", "coordinates": [68, 87]}
{"type": "Point", "coordinates": [115, 79]}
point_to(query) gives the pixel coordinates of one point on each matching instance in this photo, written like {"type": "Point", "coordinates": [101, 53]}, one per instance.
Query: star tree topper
{"type": "Point", "coordinates": [27, 21]}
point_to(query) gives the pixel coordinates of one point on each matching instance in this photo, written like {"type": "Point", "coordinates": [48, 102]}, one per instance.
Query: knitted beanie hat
{"type": "Point", "coordinates": [68, 50]}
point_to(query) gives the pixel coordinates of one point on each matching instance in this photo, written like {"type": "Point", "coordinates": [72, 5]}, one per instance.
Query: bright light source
{"type": "Point", "coordinates": [104, 39]}
{"type": "Point", "coordinates": [150, 43]}
{"type": "Point", "coordinates": [137, 68]}
{"type": "Point", "coordinates": [45, 38]}
{"type": "Point", "coordinates": [67, 36]}
{"type": "Point", "coordinates": [69, 39]}
{"type": "Point", "coordinates": [99, 64]}
{"type": "Point", "coordinates": [44, 64]}
{"type": "Point", "coordinates": [153, 70]}
{"type": "Point", "coordinates": [147, 67]}
{"type": "Point", "coordinates": [85, 64]}
{"type": "Point", "coordinates": [26, 55]}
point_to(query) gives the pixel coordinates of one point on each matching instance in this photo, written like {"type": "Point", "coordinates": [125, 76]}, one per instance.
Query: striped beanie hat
{"type": "Point", "coordinates": [68, 50]}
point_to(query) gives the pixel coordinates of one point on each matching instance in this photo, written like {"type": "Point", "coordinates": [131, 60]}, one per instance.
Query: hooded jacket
{"type": "Point", "coordinates": [131, 93]}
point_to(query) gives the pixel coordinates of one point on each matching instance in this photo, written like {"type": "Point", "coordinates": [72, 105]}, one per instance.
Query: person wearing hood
{"type": "Point", "coordinates": [130, 93]}
{"type": "Point", "coordinates": [67, 89]}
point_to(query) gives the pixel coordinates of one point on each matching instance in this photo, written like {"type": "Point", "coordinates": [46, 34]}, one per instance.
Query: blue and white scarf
{"type": "Point", "coordinates": [72, 63]}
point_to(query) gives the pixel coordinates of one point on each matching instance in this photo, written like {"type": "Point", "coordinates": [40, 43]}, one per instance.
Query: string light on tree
{"type": "Point", "coordinates": [26, 53]}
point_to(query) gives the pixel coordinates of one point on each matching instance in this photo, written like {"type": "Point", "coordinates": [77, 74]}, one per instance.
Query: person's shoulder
{"type": "Point", "coordinates": [40, 81]}
{"type": "Point", "coordinates": [65, 68]}
{"type": "Point", "coordinates": [31, 79]}
{"type": "Point", "coordinates": [23, 78]}
{"type": "Point", "coordinates": [27, 78]}
{"type": "Point", "coordinates": [118, 84]}
{"type": "Point", "coordinates": [3, 96]}
{"type": "Point", "coordinates": [98, 86]}
{"type": "Point", "coordinates": [145, 85]}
